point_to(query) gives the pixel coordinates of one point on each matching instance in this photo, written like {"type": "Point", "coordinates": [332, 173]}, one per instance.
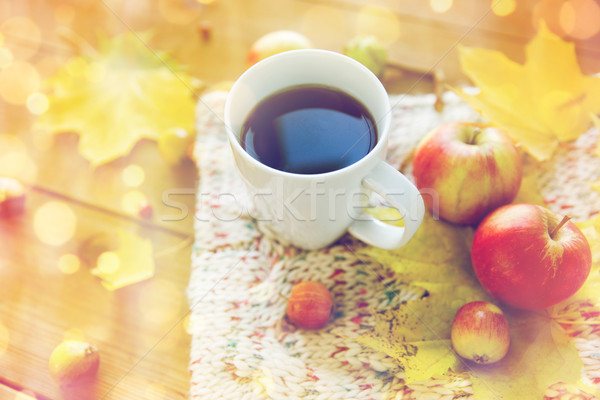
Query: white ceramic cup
{"type": "Point", "coordinates": [313, 210]}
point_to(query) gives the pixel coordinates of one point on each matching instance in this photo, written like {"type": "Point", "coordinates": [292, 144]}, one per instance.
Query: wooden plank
{"type": "Point", "coordinates": [520, 25]}
{"type": "Point", "coordinates": [138, 329]}
{"type": "Point", "coordinates": [462, 13]}
{"type": "Point", "coordinates": [10, 393]}
{"type": "Point", "coordinates": [57, 167]}
{"type": "Point", "coordinates": [143, 345]}
{"type": "Point", "coordinates": [55, 164]}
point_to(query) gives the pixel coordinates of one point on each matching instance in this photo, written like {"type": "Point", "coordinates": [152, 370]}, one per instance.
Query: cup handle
{"type": "Point", "coordinates": [402, 195]}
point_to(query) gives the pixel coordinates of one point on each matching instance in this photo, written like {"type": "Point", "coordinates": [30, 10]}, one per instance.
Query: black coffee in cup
{"type": "Point", "coordinates": [309, 129]}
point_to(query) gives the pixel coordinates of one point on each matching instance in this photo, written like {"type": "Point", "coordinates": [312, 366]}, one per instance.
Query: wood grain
{"type": "Point", "coordinates": [140, 329]}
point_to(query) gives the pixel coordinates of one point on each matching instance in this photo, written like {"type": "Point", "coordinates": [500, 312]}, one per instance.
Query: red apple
{"type": "Point", "coordinates": [12, 197]}
{"type": "Point", "coordinates": [480, 332]}
{"type": "Point", "coordinates": [145, 210]}
{"type": "Point", "coordinates": [276, 42]}
{"type": "Point", "coordinates": [530, 257]}
{"type": "Point", "coordinates": [465, 170]}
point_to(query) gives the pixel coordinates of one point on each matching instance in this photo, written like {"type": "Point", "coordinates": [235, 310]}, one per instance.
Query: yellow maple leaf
{"type": "Point", "coordinates": [540, 103]}
{"type": "Point", "coordinates": [529, 191]}
{"type": "Point", "coordinates": [535, 361]}
{"type": "Point", "coordinates": [130, 262]}
{"type": "Point", "coordinates": [417, 332]}
{"type": "Point", "coordinates": [117, 96]}
{"type": "Point", "coordinates": [434, 242]}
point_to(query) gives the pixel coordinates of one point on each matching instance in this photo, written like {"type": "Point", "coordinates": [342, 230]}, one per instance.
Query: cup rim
{"type": "Point", "coordinates": [382, 134]}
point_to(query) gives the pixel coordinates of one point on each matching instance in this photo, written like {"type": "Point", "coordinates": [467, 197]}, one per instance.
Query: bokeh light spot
{"type": "Point", "coordinates": [37, 103]}
{"type": "Point", "coordinates": [15, 160]}
{"type": "Point", "coordinates": [18, 165]}
{"type": "Point", "coordinates": [503, 8]}
{"type": "Point", "coordinates": [187, 324]}
{"type": "Point", "coordinates": [133, 175]}
{"type": "Point", "coordinates": [108, 262]}
{"type": "Point", "coordinates": [18, 81]}
{"type": "Point", "coordinates": [379, 22]}
{"type": "Point", "coordinates": [22, 36]}
{"type": "Point", "coordinates": [132, 201]}
{"type": "Point", "coordinates": [54, 223]}
{"type": "Point", "coordinates": [547, 11]}
{"type": "Point", "coordinates": [69, 263]}
{"type": "Point", "coordinates": [192, 323]}
{"type": "Point", "coordinates": [567, 17]}
{"type": "Point", "coordinates": [440, 6]}
{"type": "Point", "coordinates": [580, 19]}
{"type": "Point", "coordinates": [6, 57]}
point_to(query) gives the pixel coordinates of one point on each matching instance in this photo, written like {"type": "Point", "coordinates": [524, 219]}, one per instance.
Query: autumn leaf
{"type": "Point", "coordinates": [529, 191]}
{"type": "Point", "coordinates": [435, 241]}
{"type": "Point", "coordinates": [535, 361]}
{"type": "Point", "coordinates": [117, 96]}
{"type": "Point", "coordinates": [421, 360]}
{"type": "Point", "coordinates": [540, 103]}
{"type": "Point", "coordinates": [417, 332]}
{"type": "Point", "coordinates": [130, 262]}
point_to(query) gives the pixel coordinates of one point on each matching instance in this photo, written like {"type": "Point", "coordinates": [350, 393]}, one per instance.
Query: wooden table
{"type": "Point", "coordinates": [141, 329]}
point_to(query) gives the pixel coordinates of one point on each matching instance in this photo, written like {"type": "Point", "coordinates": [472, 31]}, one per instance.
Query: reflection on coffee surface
{"type": "Point", "coordinates": [309, 129]}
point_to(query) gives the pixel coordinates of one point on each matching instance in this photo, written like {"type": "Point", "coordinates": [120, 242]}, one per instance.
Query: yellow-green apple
{"type": "Point", "coordinates": [480, 332]}
{"type": "Point", "coordinates": [465, 170]}
{"type": "Point", "coordinates": [369, 51]}
{"type": "Point", "coordinates": [276, 42]}
{"type": "Point", "coordinates": [530, 257]}
{"type": "Point", "coordinates": [173, 145]}
{"type": "Point", "coordinates": [12, 197]}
